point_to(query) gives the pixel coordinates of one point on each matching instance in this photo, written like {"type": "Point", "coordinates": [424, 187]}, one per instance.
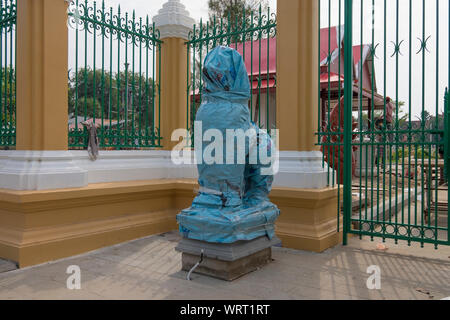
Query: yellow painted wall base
{"type": "Point", "coordinates": [308, 219]}
{"type": "Point", "coordinates": [40, 226]}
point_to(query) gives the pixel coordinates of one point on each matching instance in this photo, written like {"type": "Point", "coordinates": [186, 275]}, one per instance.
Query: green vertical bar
{"type": "Point", "coordinates": [376, 142]}
{"type": "Point", "coordinates": [94, 60]}
{"type": "Point", "coordinates": [110, 78]}
{"type": "Point", "coordinates": [384, 142]}
{"type": "Point", "coordinates": [153, 105]}
{"type": "Point", "coordinates": [251, 71]}
{"type": "Point", "coordinates": [372, 124]}
{"type": "Point", "coordinates": [229, 29]}
{"type": "Point", "coordinates": [11, 48]}
{"type": "Point", "coordinates": [437, 130]}
{"type": "Point", "coordinates": [330, 151]}
{"type": "Point", "coordinates": [127, 65]}
{"type": "Point", "coordinates": [117, 137]}
{"type": "Point", "coordinates": [340, 113]}
{"type": "Point", "coordinates": [2, 111]}
{"type": "Point", "coordinates": [244, 34]}
{"type": "Point", "coordinates": [348, 93]}
{"type": "Point", "coordinates": [15, 75]}
{"type": "Point", "coordinates": [215, 31]}
{"type": "Point", "coordinates": [133, 82]}
{"type": "Point", "coordinates": [259, 65]}
{"type": "Point", "coordinates": [5, 89]}
{"type": "Point", "coordinates": [188, 93]}
{"type": "Point", "coordinates": [200, 49]}
{"type": "Point", "coordinates": [361, 125]}
{"type": "Point", "coordinates": [410, 124]}
{"type": "Point", "coordinates": [102, 132]}
{"type": "Point", "coordinates": [267, 76]}
{"type": "Point", "coordinates": [194, 66]}
{"type": "Point", "coordinates": [140, 86]}
{"type": "Point", "coordinates": [147, 81]}
{"type": "Point", "coordinates": [319, 125]}
{"type": "Point", "coordinates": [448, 127]}
{"type": "Point", "coordinates": [396, 122]}
{"type": "Point", "coordinates": [159, 94]}
{"type": "Point", "coordinates": [423, 124]}
{"type": "Point", "coordinates": [447, 146]}
{"type": "Point", "coordinates": [235, 31]}
{"type": "Point", "coordinates": [151, 112]}
{"type": "Point", "coordinates": [85, 76]}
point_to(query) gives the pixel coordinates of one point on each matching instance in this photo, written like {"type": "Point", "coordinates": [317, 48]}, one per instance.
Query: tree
{"type": "Point", "coordinates": [104, 97]}
{"type": "Point", "coordinates": [7, 98]}
{"type": "Point", "coordinates": [85, 98]}
{"type": "Point", "coordinates": [234, 9]}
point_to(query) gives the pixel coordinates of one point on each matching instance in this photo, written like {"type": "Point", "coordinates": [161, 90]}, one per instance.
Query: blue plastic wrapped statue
{"type": "Point", "coordinates": [233, 202]}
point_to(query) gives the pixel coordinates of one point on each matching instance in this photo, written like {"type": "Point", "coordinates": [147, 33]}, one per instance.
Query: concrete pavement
{"type": "Point", "coordinates": [149, 268]}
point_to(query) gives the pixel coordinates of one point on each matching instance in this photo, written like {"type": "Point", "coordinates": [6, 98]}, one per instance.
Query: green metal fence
{"type": "Point", "coordinates": [446, 145]}
{"type": "Point", "coordinates": [8, 16]}
{"type": "Point", "coordinates": [388, 154]}
{"type": "Point", "coordinates": [253, 35]}
{"type": "Point", "coordinates": [113, 78]}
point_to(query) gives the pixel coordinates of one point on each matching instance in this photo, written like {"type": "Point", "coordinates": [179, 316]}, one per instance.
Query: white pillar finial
{"type": "Point", "coordinates": [173, 20]}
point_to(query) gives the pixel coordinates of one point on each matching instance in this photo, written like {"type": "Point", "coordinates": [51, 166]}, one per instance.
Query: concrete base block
{"type": "Point", "coordinates": [226, 251]}
{"type": "Point", "coordinates": [227, 270]}
{"type": "Point", "coordinates": [226, 261]}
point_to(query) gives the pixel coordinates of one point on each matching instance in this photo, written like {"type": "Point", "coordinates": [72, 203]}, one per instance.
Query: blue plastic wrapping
{"type": "Point", "coordinates": [232, 203]}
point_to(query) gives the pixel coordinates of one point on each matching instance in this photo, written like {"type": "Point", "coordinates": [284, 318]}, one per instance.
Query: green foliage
{"type": "Point", "coordinates": [8, 97]}
{"type": "Point", "coordinates": [8, 120]}
{"type": "Point", "coordinates": [111, 96]}
{"type": "Point", "coordinates": [234, 9]}
{"type": "Point", "coordinates": [404, 153]}
{"type": "Point", "coordinates": [400, 154]}
{"type": "Point", "coordinates": [423, 152]}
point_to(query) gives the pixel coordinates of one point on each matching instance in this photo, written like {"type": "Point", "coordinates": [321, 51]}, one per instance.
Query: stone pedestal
{"type": "Point", "coordinates": [174, 24]}
{"type": "Point", "coordinates": [226, 261]}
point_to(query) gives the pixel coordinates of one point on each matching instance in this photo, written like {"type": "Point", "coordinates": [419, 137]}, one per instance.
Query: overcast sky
{"type": "Point", "coordinates": [199, 9]}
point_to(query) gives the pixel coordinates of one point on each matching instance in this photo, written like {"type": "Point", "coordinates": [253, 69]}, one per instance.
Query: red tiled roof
{"type": "Point", "coordinates": [328, 47]}
{"type": "Point", "coordinates": [264, 84]}
{"type": "Point", "coordinates": [259, 50]}
{"type": "Point", "coordinates": [357, 53]}
{"type": "Point", "coordinates": [333, 79]}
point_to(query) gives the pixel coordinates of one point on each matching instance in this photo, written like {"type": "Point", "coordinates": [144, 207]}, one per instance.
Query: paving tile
{"type": "Point", "coordinates": [6, 266]}
{"type": "Point", "coordinates": [150, 268]}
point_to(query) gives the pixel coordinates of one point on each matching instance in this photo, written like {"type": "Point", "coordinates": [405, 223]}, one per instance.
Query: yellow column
{"type": "Point", "coordinates": [173, 88]}
{"type": "Point", "coordinates": [42, 106]}
{"type": "Point", "coordinates": [174, 24]}
{"type": "Point", "coordinates": [297, 74]}
{"type": "Point", "coordinates": [309, 206]}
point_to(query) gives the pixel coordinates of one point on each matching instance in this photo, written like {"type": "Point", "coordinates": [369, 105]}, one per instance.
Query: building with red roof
{"type": "Point", "coordinates": [261, 63]}
{"type": "Point", "coordinates": [332, 66]}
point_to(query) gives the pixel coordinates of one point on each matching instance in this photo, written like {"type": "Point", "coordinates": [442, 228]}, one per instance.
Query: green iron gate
{"type": "Point", "coordinates": [390, 155]}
